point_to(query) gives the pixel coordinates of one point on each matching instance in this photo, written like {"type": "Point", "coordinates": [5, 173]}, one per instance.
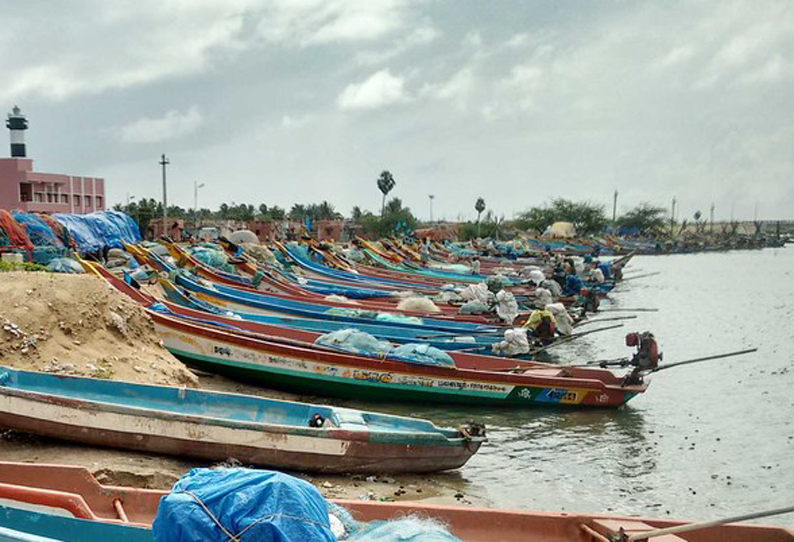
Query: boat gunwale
{"type": "Point", "coordinates": [332, 433]}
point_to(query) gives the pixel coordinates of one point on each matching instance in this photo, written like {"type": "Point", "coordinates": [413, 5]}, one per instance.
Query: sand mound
{"type": "Point", "coordinates": [78, 324]}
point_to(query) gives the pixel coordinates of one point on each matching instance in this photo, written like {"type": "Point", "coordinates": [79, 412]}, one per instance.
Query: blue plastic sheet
{"type": "Point", "coordinates": [96, 231]}
{"type": "Point", "coordinates": [242, 504]}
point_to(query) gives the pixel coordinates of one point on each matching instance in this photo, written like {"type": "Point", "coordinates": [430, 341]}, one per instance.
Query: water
{"type": "Point", "coordinates": [705, 440]}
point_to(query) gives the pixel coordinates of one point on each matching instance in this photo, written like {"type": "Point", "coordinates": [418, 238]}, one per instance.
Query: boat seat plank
{"type": "Point", "coordinates": [612, 526]}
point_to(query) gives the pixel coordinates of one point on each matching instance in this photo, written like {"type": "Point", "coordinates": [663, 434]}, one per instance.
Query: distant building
{"type": "Point", "coordinates": [24, 189]}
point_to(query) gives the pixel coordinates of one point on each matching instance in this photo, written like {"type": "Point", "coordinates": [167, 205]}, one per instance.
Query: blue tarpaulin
{"type": "Point", "coordinates": [245, 505]}
{"type": "Point", "coordinates": [97, 231]}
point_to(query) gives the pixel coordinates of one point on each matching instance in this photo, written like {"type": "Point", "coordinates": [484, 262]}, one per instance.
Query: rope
{"type": "Point", "coordinates": [238, 536]}
{"type": "Point", "coordinates": [212, 517]}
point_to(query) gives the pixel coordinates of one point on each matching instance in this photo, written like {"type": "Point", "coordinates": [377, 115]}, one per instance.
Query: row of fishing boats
{"type": "Point", "coordinates": [276, 341]}
{"type": "Point", "coordinates": [268, 322]}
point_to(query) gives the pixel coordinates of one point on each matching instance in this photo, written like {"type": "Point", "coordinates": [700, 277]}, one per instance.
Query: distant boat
{"type": "Point", "coordinates": [68, 504]}
{"type": "Point", "coordinates": [218, 426]}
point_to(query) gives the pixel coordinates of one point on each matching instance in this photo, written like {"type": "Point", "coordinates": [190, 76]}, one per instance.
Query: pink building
{"type": "Point", "coordinates": [24, 189]}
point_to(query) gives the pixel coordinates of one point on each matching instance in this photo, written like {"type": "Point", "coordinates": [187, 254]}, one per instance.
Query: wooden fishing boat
{"type": "Point", "coordinates": [184, 299]}
{"type": "Point", "coordinates": [236, 289]}
{"type": "Point", "coordinates": [68, 503]}
{"type": "Point", "coordinates": [217, 426]}
{"type": "Point", "coordinates": [306, 368]}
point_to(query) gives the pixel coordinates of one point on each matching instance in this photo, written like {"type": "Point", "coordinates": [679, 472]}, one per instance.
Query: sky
{"type": "Point", "coordinates": [299, 101]}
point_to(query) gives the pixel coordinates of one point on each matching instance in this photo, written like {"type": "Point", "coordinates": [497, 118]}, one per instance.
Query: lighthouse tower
{"type": "Point", "coordinates": [17, 124]}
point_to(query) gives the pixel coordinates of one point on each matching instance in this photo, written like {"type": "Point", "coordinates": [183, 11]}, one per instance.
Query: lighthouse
{"type": "Point", "coordinates": [17, 124]}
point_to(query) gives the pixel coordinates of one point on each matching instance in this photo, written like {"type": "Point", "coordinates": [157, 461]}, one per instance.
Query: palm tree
{"type": "Point", "coordinates": [385, 184]}
{"type": "Point", "coordinates": [394, 206]}
{"type": "Point", "coordinates": [297, 212]}
{"type": "Point", "coordinates": [479, 207]}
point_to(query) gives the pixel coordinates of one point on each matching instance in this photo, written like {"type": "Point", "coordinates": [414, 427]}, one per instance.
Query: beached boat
{"type": "Point", "coordinates": [303, 367]}
{"type": "Point", "coordinates": [67, 503]}
{"type": "Point", "coordinates": [217, 426]}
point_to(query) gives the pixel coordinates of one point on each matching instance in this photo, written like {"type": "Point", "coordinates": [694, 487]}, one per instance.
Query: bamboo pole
{"type": "Point", "coordinates": [627, 310]}
{"type": "Point", "coordinates": [614, 319]}
{"type": "Point", "coordinates": [698, 360]}
{"type": "Point", "coordinates": [638, 537]}
{"type": "Point", "coordinates": [570, 338]}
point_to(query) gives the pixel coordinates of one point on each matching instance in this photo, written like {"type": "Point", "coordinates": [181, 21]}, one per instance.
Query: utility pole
{"type": "Point", "coordinates": [196, 187]}
{"type": "Point", "coordinates": [614, 208]}
{"type": "Point", "coordinates": [164, 162]}
{"type": "Point", "coordinates": [672, 217]}
{"type": "Point", "coordinates": [431, 197]}
{"type": "Point", "coordinates": [711, 216]}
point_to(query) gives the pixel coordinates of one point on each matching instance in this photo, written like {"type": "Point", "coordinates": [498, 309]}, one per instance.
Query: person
{"type": "Point", "coordinates": [594, 273]}
{"type": "Point", "coordinates": [424, 250]}
{"type": "Point", "coordinates": [553, 287]}
{"type": "Point", "coordinates": [475, 266]}
{"type": "Point", "coordinates": [542, 324]}
{"type": "Point", "coordinates": [645, 359]}
{"type": "Point", "coordinates": [573, 285]}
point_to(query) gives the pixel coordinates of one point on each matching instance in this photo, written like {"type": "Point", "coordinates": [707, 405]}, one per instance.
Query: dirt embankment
{"type": "Point", "coordinates": [78, 324]}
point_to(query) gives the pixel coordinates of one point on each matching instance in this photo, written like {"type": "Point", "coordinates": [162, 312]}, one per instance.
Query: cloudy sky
{"type": "Point", "coordinates": [288, 101]}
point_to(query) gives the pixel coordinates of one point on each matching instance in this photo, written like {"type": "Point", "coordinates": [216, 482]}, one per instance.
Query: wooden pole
{"type": "Point", "coordinates": [637, 537]}
{"type": "Point", "coordinates": [627, 310]}
{"type": "Point", "coordinates": [570, 338]}
{"type": "Point", "coordinates": [598, 321]}
{"type": "Point", "coordinates": [707, 358]}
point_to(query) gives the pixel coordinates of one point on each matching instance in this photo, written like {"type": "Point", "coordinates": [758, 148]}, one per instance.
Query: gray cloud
{"type": "Point", "coordinates": [284, 101]}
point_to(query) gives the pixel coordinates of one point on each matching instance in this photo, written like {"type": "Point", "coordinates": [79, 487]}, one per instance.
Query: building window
{"type": "Point", "coordinates": [49, 198]}
{"type": "Point", "coordinates": [25, 192]}
{"type": "Point", "coordinates": [65, 199]}
{"type": "Point", "coordinates": [99, 202]}
{"type": "Point", "coordinates": [76, 200]}
{"type": "Point", "coordinates": [39, 197]}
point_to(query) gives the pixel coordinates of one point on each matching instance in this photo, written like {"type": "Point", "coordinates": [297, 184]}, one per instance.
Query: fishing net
{"type": "Point", "coordinates": [57, 229]}
{"type": "Point", "coordinates": [38, 231]}
{"type": "Point", "coordinates": [64, 265]}
{"type": "Point", "coordinates": [15, 233]}
{"type": "Point", "coordinates": [4, 240]}
{"type": "Point", "coordinates": [212, 255]}
{"type": "Point", "coordinates": [407, 529]}
{"type": "Point", "coordinates": [397, 318]}
{"type": "Point", "coordinates": [423, 353]}
{"type": "Point", "coordinates": [353, 340]}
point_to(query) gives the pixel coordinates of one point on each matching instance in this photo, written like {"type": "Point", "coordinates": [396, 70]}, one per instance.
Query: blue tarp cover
{"type": "Point", "coordinates": [241, 504]}
{"type": "Point", "coordinates": [96, 231]}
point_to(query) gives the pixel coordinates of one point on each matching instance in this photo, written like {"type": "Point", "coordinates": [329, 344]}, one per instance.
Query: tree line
{"type": "Point", "coordinates": [588, 218]}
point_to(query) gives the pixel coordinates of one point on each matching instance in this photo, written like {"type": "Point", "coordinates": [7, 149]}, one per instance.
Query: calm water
{"type": "Point", "coordinates": [706, 440]}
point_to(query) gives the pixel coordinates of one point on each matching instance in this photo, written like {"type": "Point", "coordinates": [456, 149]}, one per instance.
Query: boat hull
{"type": "Point", "coordinates": [348, 448]}
{"type": "Point", "coordinates": [74, 489]}
{"type": "Point", "coordinates": [305, 371]}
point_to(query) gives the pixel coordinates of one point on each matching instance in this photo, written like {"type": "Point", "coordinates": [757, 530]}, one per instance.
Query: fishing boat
{"type": "Point", "coordinates": [67, 503]}
{"type": "Point", "coordinates": [216, 426]}
{"type": "Point", "coordinates": [235, 350]}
